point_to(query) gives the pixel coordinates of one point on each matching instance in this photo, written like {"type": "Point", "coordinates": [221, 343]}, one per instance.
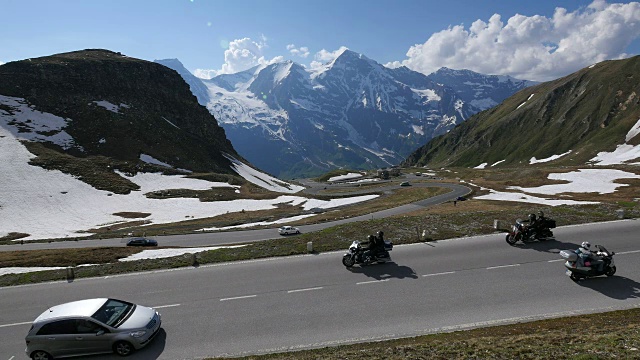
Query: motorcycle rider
{"type": "Point", "coordinates": [380, 242]}
{"type": "Point", "coordinates": [371, 247]}
{"type": "Point", "coordinates": [533, 223]}
{"type": "Point", "coordinates": [589, 258]}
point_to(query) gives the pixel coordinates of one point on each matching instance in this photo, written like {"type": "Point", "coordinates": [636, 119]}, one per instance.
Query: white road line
{"type": "Point", "coordinates": [627, 252]}
{"type": "Point", "coordinates": [502, 266]}
{"type": "Point", "coordinates": [239, 297]}
{"type": "Point", "coordinates": [442, 273]}
{"type": "Point", "coordinates": [11, 358]}
{"type": "Point", "coordinates": [301, 290]}
{"type": "Point", "coordinates": [165, 306]}
{"type": "Point", "coordinates": [372, 281]}
{"type": "Point", "coordinates": [558, 260]}
{"type": "Point", "coordinates": [16, 324]}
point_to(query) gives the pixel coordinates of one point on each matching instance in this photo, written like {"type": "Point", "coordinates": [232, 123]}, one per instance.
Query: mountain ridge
{"type": "Point", "coordinates": [592, 110]}
{"type": "Point", "coordinates": [350, 113]}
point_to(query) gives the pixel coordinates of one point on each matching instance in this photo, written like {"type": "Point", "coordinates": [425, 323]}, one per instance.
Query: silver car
{"type": "Point", "coordinates": [91, 326]}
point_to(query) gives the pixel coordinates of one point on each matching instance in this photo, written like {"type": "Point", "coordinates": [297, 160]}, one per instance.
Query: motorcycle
{"type": "Point", "coordinates": [356, 255]}
{"type": "Point", "coordinates": [521, 232]}
{"type": "Point", "coordinates": [577, 269]}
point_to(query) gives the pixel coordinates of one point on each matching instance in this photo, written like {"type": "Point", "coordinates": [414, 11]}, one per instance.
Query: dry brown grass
{"type": "Point", "coordinates": [64, 257]}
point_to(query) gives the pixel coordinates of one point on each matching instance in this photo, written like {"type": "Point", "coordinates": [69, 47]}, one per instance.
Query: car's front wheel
{"type": "Point", "coordinates": [123, 348]}
{"type": "Point", "coordinates": [40, 355]}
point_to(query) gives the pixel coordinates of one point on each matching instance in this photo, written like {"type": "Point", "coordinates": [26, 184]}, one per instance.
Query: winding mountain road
{"type": "Point", "coordinates": [310, 301]}
{"type": "Point", "coordinates": [244, 236]}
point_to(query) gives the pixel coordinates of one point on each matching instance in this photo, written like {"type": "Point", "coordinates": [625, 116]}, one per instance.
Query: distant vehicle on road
{"type": "Point", "coordinates": [141, 241]}
{"type": "Point", "coordinates": [405, 183]}
{"type": "Point", "coordinates": [91, 326]}
{"type": "Point", "coordinates": [288, 230]}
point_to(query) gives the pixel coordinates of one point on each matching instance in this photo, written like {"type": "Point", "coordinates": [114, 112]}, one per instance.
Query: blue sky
{"type": "Point", "coordinates": [526, 39]}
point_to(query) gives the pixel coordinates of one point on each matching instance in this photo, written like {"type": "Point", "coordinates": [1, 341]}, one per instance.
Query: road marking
{"type": "Point", "coordinates": [628, 252]}
{"type": "Point", "coordinates": [502, 266]}
{"type": "Point", "coordinates": [11, 358]}
{"type": "Point", "coordinates": [16, 324]}
{"type": "Point", "coordinates": [442, 273]}
{"type": "Point", "coordinates": [165, 306]}
{"type": "Point", "coordinates": [558, 260]}
{"type": "Point", "coordinates": [239, 297]}
{"type": "Point", "coordinates": [372, 281]}
{"type": "Point", "coordinates": [301, 290]}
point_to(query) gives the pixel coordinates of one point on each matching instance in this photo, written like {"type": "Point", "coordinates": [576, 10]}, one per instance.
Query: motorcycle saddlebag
{"type": "Point", "coordinates": [388, 245]}
{"type": "Point", "coordinates": [569, 255]}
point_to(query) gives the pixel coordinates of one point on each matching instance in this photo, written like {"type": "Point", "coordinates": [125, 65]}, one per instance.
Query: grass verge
{"type": "Point", "coordinates": [610, 335]}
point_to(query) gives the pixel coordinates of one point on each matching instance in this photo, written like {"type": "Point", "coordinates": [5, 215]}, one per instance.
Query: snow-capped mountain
{"type": "Point", "coordinates": [352, 112]}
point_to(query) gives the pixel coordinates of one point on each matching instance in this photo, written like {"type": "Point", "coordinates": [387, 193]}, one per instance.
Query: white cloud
{"type": "Point", "coordinates": [241, 55]}
{"type": "Point", "coordinates": [531, 47]}
{"type": "Point", "coordinates": [323, 56]}
{"type": "Point", "coordinates": [302, 51]}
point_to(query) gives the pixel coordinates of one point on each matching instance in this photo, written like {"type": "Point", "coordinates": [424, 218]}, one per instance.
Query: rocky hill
{"type": "Point", "coordinates": [573, 120]}
{"type": "Point", "coordinates": [115, 112]}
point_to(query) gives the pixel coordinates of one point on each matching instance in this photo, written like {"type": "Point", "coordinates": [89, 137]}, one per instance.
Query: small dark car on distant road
{"type": "Point", "coordinates": [141, 241]}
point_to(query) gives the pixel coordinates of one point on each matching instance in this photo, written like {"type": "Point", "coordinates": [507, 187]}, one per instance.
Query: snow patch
{"type": "Point", "coordinates": [166, 253]}
{"type": "Point", "coordinates": [623, 153]}
{"type": "Point", "coordinates": [582, 181]}
{"type": "Point", "coordinates": [520, 197]}
{"type": "Point", "coordinates": [345, 177]}
{"type": "Point", "coordinates": [151, 160]}
{"type": "Point", "coordinates": [111, 107]}
{"type": "Point", "coordinates": [533, 160]}
{"type": "Point", "coordinates": [481, 166]}
{"type": "Point", "coordinates": [25, 123]}
{"type": "Point", "coordinates": [261, 179]}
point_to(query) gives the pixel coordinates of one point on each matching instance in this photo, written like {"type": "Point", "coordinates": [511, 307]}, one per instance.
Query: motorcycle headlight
{"type": "Point", "coordinates": [137, 334]}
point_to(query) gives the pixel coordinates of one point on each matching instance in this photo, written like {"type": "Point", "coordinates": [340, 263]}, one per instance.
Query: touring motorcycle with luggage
{"type": "Point", "coordinates": [578, 269]}
{"type": "Point", "coordinates": [520, 231]}
{"type": "Point", "coordinates": [357, 254]}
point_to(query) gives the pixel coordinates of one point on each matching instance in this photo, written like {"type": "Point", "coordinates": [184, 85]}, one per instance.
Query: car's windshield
{"type": "Point", "coordinates": [113, 312]}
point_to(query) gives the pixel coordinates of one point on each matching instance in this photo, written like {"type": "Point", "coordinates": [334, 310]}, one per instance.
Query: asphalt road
{"type": "Point", "coordinates": [312, 300]}
{"type": "Point", "coordinates": [244, 236]}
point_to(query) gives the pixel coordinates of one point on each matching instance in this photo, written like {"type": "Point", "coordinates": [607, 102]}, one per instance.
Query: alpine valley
{"type": "Point", "coordinates": [351, 113]}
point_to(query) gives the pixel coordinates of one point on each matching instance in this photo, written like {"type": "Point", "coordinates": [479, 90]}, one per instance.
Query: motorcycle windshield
{"type": "Point", "coordinates": [602, 249]}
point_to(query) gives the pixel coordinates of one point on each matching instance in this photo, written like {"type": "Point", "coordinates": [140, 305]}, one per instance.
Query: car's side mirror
{"type": "Point", "coordinates": [101, 332]}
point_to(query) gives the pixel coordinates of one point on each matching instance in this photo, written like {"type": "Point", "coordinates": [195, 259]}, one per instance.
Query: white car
{"type": "Point", "coordinates": [91, 326]}
{"type": "Point", "coordinates": [287, 230]}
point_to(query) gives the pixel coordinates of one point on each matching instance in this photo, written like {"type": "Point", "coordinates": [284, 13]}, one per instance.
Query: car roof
{"type": "Point", "coordinates": [85, 307]}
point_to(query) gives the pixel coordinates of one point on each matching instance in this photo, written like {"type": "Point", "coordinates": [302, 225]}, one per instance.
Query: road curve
{"type": "Point", "coordinates": [311, 301]}
{"type": "Point", "coordinates": [244, 236]}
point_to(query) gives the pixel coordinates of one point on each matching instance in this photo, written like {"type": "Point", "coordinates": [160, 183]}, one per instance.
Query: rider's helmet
{"type": "Point", "coordinates": [380, 233]}
{"type": "Point", "coordinates": [532, 217]}
{"type": "Point", "coordinates": [540, 214]}
{"type": "Point", "coordinates": [586, 245]}
{"type": "Point", "coordinates": [370, 238]}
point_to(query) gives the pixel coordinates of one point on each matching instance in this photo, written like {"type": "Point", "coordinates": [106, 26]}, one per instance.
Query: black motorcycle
{"type": "Point", "coordinates": [521, 232]}
{"type": "Point", "coordinates": [359, 255]}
